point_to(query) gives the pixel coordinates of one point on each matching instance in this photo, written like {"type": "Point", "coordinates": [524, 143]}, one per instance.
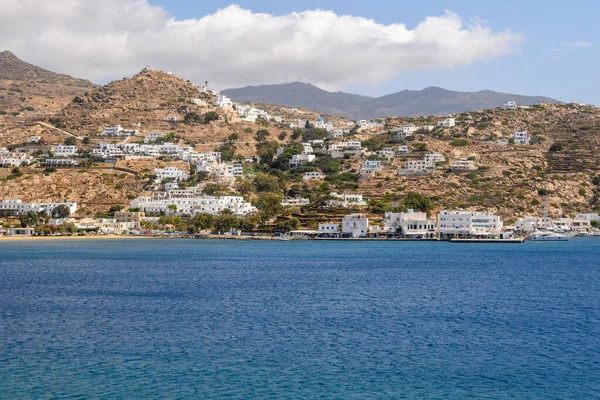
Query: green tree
{"type": "Point", "coordinates": [262, 135]}
{"type": "Point", "coordinates": [266, 183]}
{"type": "Point", "coordinates": [418, 202]}
{"type": "Point", "coordinates": [86, 140]}
{"type": "Point", "coordinates": [269, 205]}
{"type": "Point", "coordinates": [29, 219]}
{"type": "Point", "coordinates": [193, 117]}
{"type": "Point", "coordinates": [70, 141]}
{"type": "Point", "coordinates": [226, 222]}
{"type": "Point", "coordinates": [172, 207]}
{"type": "Point", "coordinates": [202, 221]}
{"type": "Point", "coordinates": [211, 116]}
{"type": "Point", "coordinates": [61, 211]}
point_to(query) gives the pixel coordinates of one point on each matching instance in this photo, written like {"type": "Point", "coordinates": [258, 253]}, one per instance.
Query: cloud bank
{"type": "Point", "coordinates": [108, 39]}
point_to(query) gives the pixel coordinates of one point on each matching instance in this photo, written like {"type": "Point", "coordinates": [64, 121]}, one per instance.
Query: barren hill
{"type": "Point", "coordinates": [28, 91]}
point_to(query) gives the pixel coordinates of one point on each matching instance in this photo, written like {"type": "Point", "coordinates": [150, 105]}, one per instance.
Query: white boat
{"type": "Point", "coordinates": [583, 234]}
{"type": "Point", "coordinates": [546, 236]}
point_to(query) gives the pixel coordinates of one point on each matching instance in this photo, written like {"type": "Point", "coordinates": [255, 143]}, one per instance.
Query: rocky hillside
{"type": "Point", "coordinates": [28, 91]}
{"type": "Point", "coordinates": [563, 158]}
{"type": "Point", "coordinates": [429, 101]}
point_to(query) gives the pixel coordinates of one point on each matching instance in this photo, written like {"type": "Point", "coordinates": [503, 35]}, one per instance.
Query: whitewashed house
{"type": "Point", "coordinates": [294, 201]}
{"type": "Point", "coordinates": [346, 200]}
{"type": "Point", "coordinates": [16, 206]}
{"type": "Point", "coordinates": [64, 151]}
{"type": "Point", "coordinates": [434, 158]}
{"type": "Point", "coordinates": [410, 224]}
{"type": "Point", "coordinates": [313, 175]}
{"type": "Point", "coordinates": [402, 150]}
{"type": "Point", "coordinates": [370, 168]}
{"type": "Point", "coordinates": [34, 140]}
{"type": "Point", "coordinates": [301, 159]}
{"type": "Point", "coordinates": [59, 162]}
{"type": "Point", "coordinates": [329, 229]}
{"type": "Point", "coordinates": [116, 130]}
{"type": "Point", "coordinates": [153, 137]}
{"type": "Point", "coordinates": [459, 165]}
{"type": "Point", "coordinates": [191, 202]}
{"type": "Point", "coordinates": [172, 173]}
{"type": "Point", "coordinates": [466, 224]}
{"type": "Point", "coordinates": [223, 102]}
{"type": "Point", "coordinates": [416, 168]}
{"type": "Point", "coordinates": [355, 226]}
{"type": "Point", "coordinates": [388, 153]}
{"type": "Point", "coordinates": [447, 123]}
{"type": "Point", "coordinates": [521, 137]}
{"type": "Point", "coordinates": [510, 105]}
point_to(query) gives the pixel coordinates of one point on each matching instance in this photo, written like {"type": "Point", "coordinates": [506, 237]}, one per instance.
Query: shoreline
{"type": "Point", "coordinates": [245, 238]}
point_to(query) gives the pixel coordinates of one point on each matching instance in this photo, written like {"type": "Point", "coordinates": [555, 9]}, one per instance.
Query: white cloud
{"type": "Point", "coordinates": [103, 40]}
{"type": "Point", "coordinates": [578, 43]}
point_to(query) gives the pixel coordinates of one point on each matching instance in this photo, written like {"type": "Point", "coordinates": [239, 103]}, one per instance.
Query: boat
{"type": "Point", "coordinates": [583, 234]}
{"type": "Point", "coordinates": [284, 237]}
{"type": "Point", "coordinates": [547, 236]}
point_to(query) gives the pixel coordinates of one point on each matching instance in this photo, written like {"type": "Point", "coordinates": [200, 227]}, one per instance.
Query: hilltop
{"type": "Point", "coordinates": [28, 91]}
{"type": "Point", "coordinates": [429, 101]}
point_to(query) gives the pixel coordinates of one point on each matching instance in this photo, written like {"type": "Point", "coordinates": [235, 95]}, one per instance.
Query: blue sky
{"type": "Point", "coordinates": [547, 63]}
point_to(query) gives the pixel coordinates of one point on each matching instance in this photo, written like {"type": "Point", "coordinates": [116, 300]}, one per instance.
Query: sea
{"type": "Point", "coordinates": [209, 319]}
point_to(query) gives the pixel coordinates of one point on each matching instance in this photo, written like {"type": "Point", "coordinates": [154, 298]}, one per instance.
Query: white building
{"type": "Point", "coordinates": [294, 202]}
{"type": "Point", "coordinates": [329, 229]}
{"type": "Point", "coordinates": [370, 168]}
{"type": "Point", "coordinates": [402, 150]}
{"type": "Point", "coordinates": [447, 123]}
{"type": "Point", "coordinates": [521, 137]}
{"type": "Point", "coordinates": [355, 225]}
{"type": "Point", "coordinates": [153, 137]}
{"type": "Point", "coordinates": [301, 159]}
{"type": "Point", "coordinates": [434, 158]}
{"type": "Point", "coordinates": [34, 140]}
{"type": "Point", "coordinates": [387, 152]}
{"type": "Point", "coordinates": [173, 173]}
{"type": "Point", "coordinates": [416, 167]}
{"type": "Point", "coordinates": [459, 165]}
{"type": "Point", "coordinates": [346, 200]}
{"type": "Point", "coordinates": [588, 217]}
{"type": "Point", "coordinates": [116, 130]}
{"type": "Point", "coordinates": [510, 105]}
{"type": "Point", "coordinates": [313, 175]}
{"type": "Point", "coordinates": [466, 224]}
{"type": "Point", "coordinates": [59, 162]}
{"type": "Point", "coordinates": [192, 203]}
{"type": "Point", "coordinates": [16, 206]}
{"type": "Point", "coordinates": [410, 224]}
{"type": "Point", "coordinates": [170, 118]}
{"type": "Point", "coordinates": [223, 102]}
{"type": "Point", "coordinates": [64, 151]}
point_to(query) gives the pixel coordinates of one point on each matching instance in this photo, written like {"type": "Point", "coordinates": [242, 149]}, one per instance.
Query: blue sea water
{"type": "Point", "coordinates": [294, 320]}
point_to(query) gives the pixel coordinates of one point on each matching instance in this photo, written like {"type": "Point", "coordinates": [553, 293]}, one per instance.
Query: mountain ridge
{"type": "Point", "coordinates": [432, 100]}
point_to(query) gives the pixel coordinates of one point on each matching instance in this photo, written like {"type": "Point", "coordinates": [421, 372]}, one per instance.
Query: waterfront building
{"type": "Point", "coordinates": [466, 224]}
{"type": "Point", "coordinates": [16, 207]}
{"type": "Point", "coordinates": [355, 226]}
{"type": "Point", "coordinates": [410, 224]}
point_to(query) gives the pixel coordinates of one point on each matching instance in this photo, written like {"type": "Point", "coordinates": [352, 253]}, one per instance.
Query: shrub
{"type": "Point", "coordinates": [556, 147]}
{"type": "Point", "coordinates": [459, 143]}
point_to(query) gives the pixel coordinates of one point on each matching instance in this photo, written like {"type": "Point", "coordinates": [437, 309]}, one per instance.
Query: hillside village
{"type": "Point", "coordinates": [155, 152]}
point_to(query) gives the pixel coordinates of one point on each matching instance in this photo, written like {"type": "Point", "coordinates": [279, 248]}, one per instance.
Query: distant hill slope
{"type": "Point", "coordinates": [27, 91]}
{"type": "Point", "coordinates": [14, 69]}
{"type": "Point", "coordinates": [429, 101]}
